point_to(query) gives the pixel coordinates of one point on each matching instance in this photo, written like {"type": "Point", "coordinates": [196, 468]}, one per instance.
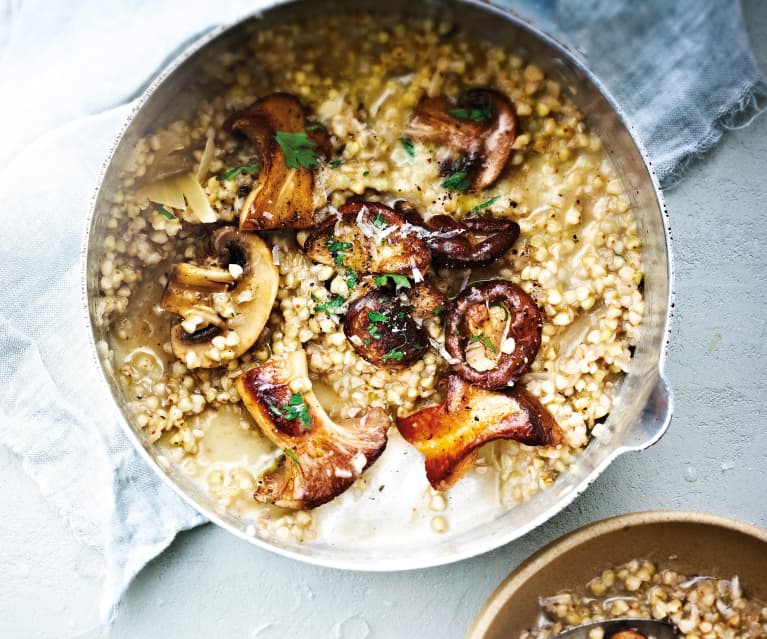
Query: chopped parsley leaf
{"type": "Point", "coordinates": [292, 455]}
{"type": "Point", "coordinates": [335, 164]}
{"type": "Point", "coordinates": [298, 149]}
{"type": "Point", "coordinates": [294, 409]}
{"type": "Point", "coordinates": [439, 309]}
{"type": "Point", "coordinates": [377, 317]}
{"type": "Point", "coordinates": [365, 173]}
{"type": "Point", "coordinates": [486, 204]}
{"type": "Point", "coordinates": [332, 306]}
{"type": "Point", "coordinates": [485, 340]}
{"type": "Point", "coordinates": [233, 173]}
{"type": "Point", "coordinates": [373, 332]}
{"type": "Point", "coordinates": [458, 181]}
{"type": "Point", "coordinates": [337, 249]}
{"type": "Point", "coordinates": [407, 144]}
{"type": "Point", "coordinates": [480, 113]}
{"type": "Point", "coordinates": [394, 354]}
{"type": "Point", "coordinates": [379, 221]}
{"type": "Point", "coordinates": [396, 278]}
{"type": "Point", "coordinates": [165, 212]}
{"type": "Point", "coordinates": [351, 279]}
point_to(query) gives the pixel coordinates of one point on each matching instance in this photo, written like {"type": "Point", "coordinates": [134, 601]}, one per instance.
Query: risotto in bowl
{"type": "Point", "coordinates": [370, 287]}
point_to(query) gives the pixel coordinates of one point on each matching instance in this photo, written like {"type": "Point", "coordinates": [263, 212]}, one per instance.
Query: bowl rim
{"type": "Point", "coordinates": [507, 589]}
{"type": "Point", "coordinates": [489, 543]}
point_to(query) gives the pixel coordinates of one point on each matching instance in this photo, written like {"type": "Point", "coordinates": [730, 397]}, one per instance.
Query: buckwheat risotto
{"type": "Point", "coordinates": [702, 607]}
{"type": "Point", "coordinates": [376, 247]}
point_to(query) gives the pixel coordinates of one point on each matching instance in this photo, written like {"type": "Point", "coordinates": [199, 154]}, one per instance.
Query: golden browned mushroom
{"type": "Point", "coordinates": [322, 457]}
{"type": "Point", "coordinates": [369, 237]}
{"type": "Point", "coordinates": [283, 193]}
{"type": "Point", "coordinates": [224, 302]}
{"type": "Point", "coordinates": [627, 634]}
{"type": "Point", "coordinates": [450, 434]}
{"type": "Point", "coordinates": [482, 126]}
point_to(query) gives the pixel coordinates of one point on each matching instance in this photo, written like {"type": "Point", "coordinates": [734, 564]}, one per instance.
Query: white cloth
{"type": "Point", "coordinates": [67, 73]}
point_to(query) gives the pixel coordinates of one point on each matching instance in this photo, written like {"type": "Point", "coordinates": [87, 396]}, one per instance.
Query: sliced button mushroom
{"type": "Point", "coordinates": [456, 244]}
{"type": "Point", "coordinates": [382, 331]}
{"type": "Point", "coordinates": [450, 434]}
{"type": "Point", "coordinates": [493, 331]}
{"type": "Point", "coordinates": [482, 126]}
{"type": "Point", "coordinates": [224, 306]}
{"type": "Point", "coordinates": [369, 237]}
{"type": "Point", "coordinates": [322, 457]}
{"type": "Point", "coordinates": [283, 192]}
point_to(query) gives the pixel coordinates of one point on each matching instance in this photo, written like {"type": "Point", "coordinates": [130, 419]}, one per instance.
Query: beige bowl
{"type": "Point", "coordinates": [694, 543]}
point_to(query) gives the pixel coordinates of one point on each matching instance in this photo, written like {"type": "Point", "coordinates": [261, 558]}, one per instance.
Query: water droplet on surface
{"type": "Point", "coordinates": [690, 473]}
{"type": "Point", "coordinates": [354, 627]}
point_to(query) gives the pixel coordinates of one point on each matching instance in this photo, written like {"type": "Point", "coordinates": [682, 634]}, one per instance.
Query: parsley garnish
{"type": "Point", "coordinates": [351, 279]}
{"type": "Point", "coordinates": [373, 332]}
{"type": "Point", "coordinates": [379, 221]}
{"type": "Point", "coordinates": [481, 113]}
{"type": "Point", "coordinates": [332, 306]}
{"type": "Point", "coordinates": [165, 212]}
{"type": "Point", "coordinates": [394, 354]}
{"type": "Point", "coordinates": [377, 317]}
{"type": "Point", "coordinates": [407, 143]}
{"type": "Point", "coordinates": [459, 181]}
{"type": "Point", "coordinates": [337, 249]}
{"type": "Point", "coordinates": [439, 309]}
{"type": "Point", "coordinates": [298, 149]}
{"type": "Point", "coordinates": [294, 409]}
{"type": "Point", "coordinates": [289, 453]}
{"type": "Point", "coordinates": [232, 173]}
{"type": "Point", "coordinates": [486, 204]}
{"type": "Point", "coordinates": [484, 339]}
{"type": "Point", "coordinates": [365, 173]}
{"type": "Point", "coordinates": [335, 164]}
{"type": "Point", "coordinates": [399, 280]}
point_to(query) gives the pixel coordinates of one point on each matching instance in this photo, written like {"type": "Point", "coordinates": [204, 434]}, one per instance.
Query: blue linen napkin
{"type": "Point", "coordinates": [684, 71]}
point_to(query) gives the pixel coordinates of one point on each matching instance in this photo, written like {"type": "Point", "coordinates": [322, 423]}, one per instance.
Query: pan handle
{"type": "Point", "coordinates": [655, 417]}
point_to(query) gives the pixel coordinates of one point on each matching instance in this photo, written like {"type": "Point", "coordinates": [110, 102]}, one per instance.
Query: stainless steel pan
{"type": "Point", "coordinates": [643, 408]}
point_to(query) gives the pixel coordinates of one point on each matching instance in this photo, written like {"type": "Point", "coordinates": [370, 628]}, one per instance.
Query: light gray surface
{"type": "Point", "coordinates": [209, 584]}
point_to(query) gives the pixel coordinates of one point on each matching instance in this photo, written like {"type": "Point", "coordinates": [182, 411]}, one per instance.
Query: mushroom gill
{"type": "Point", "coordinates": [224, 302]}
{"type": "Point", "coordinates": [322, 457]}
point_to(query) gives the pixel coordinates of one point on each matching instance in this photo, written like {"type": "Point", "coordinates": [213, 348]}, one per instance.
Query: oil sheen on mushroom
{"type": "Point", "coordinates": [323, 457]}
{"type": "Point", "coordinates": [382, 330]}
{"type": "Point", "coordinates": [482, 127]}
{"type": "Point", "coordinates": [450, 434]}
{"type": "Point", "coordinates": [493, 330]}
{"type": "Point", "coordinates": [368, 237]}
{"type": "Point", "coordinates": [282, 196]}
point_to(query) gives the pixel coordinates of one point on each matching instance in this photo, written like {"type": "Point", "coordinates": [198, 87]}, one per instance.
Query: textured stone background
{"type": "Point", "coordinates": [714, 458]}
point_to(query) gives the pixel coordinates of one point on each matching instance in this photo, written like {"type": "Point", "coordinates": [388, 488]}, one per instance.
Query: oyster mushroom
{"type": "Point", "coordinates": [382, 331]}
{"type": "Point", "coordinates": [282, 196]}
{"type": "Point", "coordinates": [369, 237]}
{"type": "Point", "coordinates": [224, 304]}
{"type": "Point", "coordinates": [454, 243]}
{"type": "Point", "coordinates": [493, 330]}
{"type": "Point", "coordinates": [482, 126]}
{"type": "Point", "coordinates": [322, 457]}
{"type": "Point", "coordinates": [450, 434]}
